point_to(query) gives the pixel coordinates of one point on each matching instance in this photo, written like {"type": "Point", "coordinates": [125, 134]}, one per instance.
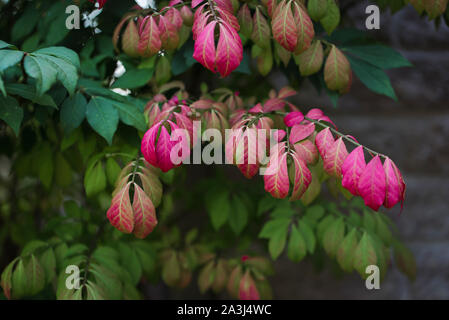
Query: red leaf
{"type": "Point", "coordinates": [302, 177]}
{"type": "Point", "coordinates": [204, 51]}
{"type": "Point", "coordinates": [301, 131]}
{"type": "Point", "coordinates": [120, 214]}
{"type": "Point", "coordinates": [306, 151]}
{"type": "Point", "coordinates": [229, 50]}
{"type": "Point", "coordinates": [395, 186]}
{"type": "Point", "coordinates": [352, 169]}
{"type": "Point", "coordinates": [168, 33]}
{"type": "Point", "coordinates": [283, 26]}
{"type": "Point", "coordinates": [144, 214]}
{"type": "Point", "coordinates": [324, 141]}
{"type": "Point", "coordinates": [293, 118]}
{"type": "Point", "coordinates": [334, 158]}
{"type": "Point", "coordinates": [372, 184]}
{"type": "Point", "coordinates": [150, 42]}
{"type": "Point", "coordinates": [276, 177]}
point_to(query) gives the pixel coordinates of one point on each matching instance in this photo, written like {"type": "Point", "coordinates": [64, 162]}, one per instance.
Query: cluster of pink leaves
{"type": "Point", "coordinates": [138, 217]}
{"type": "Point", "coordinates": [377, 184]}
{"type": "Point", "coordinates": [291, 25]}
{"type": "Point", "coordinates": [209, 18]}
{"type": "Point", "coordinates": [157, 142]}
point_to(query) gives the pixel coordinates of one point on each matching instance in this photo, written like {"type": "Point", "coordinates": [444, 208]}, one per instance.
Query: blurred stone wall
{"type": "Point", "coordinates": [415, 132]}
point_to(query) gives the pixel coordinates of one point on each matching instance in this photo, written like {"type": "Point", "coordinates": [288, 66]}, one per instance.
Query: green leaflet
{"type": "Point", "coordinates": [11, 113]}
{"type": "Point", "coordinates": [42, 71]}
{"type": "Point", "coordinates": [219, 209]}
{"type": "Point", "coordinates": [73, 112]}
{"type": "Point", "coordinates": [102, 117]}
{"type": "Point", "coordinates": [134, 78]}
{"type": "Point", "coordinates": [378, 55]}
{"type": "Point", "coordinates": [364, 255]}
{"type": "Point", "coordinates": [297, 248]}
{"type": "Point", "coordinates": [333, 236]}
{"type": "Point", "coordinates": [372, 77]}
{"type": "Point", "coordinates": [345, 252]}
{"type": "Point", "coordinates": [332, 17]}
{"type": "Point", "coordinates": [238, 216]}
{"type": "Point", "coordinates": [29, 92]}
{"type": "Point", "coordinates": [95, 179]}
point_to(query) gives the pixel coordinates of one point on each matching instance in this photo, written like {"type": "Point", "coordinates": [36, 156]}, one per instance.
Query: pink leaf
{"type": "Point", "coordinates": [273, 104]}
{"type": "Point", "coordinates": [247, 288]}
{"type": "Point", "coordinates": [395, 186]}
{"type": "Point", "coordinates": [229, 19]}
{"type": "Point", "coordinates": [276, 178]}
{"type": "Point", "coordinates": [334, 158]}
{"type": "Point", "coordinates": [301, 131]}
{"type": "Point", "coordinates": [302, 178]}
{"type": "Point", "coordinates": [120, 214]}
{"type": "Point", "coordinates": [168, 33]}
{"type": "Point", "coordinates": [195, 3]}
{"type": "Point", "coordinates": [174, 16]}
{"type": "Point", "coordinates": [352, 169]}
{"type": "Point", "coordinates": [225, 4]}
{"type": "Point", "coordinates": [286, 92]}
{"type": "Point", "coordinates": [149, 42]}
{"type": "Point", "coordinates": [283, 26]}
{"type": "Point", "coordinates": [371, 184]}
{"type": "Point", "coordinates": [323, 141]}
{"type": "Point", "coordinates": [293, 118]}
{"type": "Point", "coordinates": [229, 51]}
{"type": "Point", "coordinates": [256, 109]}
{"type": "Point", "coordinates": [144, 214]}
{"type": "Point", "coordinates": [306, 151]}
{"type": "Point", "coordinates": [204, 51]}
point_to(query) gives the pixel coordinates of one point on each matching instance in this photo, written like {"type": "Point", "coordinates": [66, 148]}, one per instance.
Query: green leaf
{"type": "Point", "coordinates": [4, 45]}
{"type": "Point", "coordinates": [130, 115]}
{"type": "Point", "coordinates": [6, 278]}
{"type": "Point", "coordinates": [277, 242]}
{"type": "Point", "coordinates": [2, 86]}
{"type": "Point", "coordinates": [35, 275]}
{"type": "Point", "coordinates": [63, 53]}
{"type": "Point", "coordinates": [296, 250]}
{"type": "Point", "coordinates": [66, 72]}
{"type": "Point", "coordinates": [102, 117]}
{"type": "Point", "coordinates": [112, 170]}
{"type": "Point", "coordinates": [372, 77]}
{"type": "Point", "coordinates": [266, 204]}
{"type": "Point", "coordinates": [382, 230]}
{"type": "Point", "coordinates": [238, 216]}
{"type": "Point", "coordinates": [73, 112]}
{"type": "Point", "coordinates": [25, 24]}
{"type": "Point", "coordinates": [364, 255]}
{"type": "Point", "coordinates": [332, 18]}
{"type": "Point", "coordinates": [134, 78]}
{"type": "Point", "coordinates": [271, 227]}
{"type": "Point", "coordinates": [219, 209]}
{"type": "Point", "coordinates": [9, 58]}
{"type": "Point", "coordinates": [29, 92]}
{"type": "Point", "coordinates": [95, 180]}
{"type": "Point", "coordinates": [308, 235]}
{"type": "Point", "coordinates": [20, 285]}
{"type": "Point", "coordinates": [11, 113]}
{"type": "Point", "coordinates": [130, 261]}
{"type": "Point", "coordinates": [345, 253]}
{"type": "Point", "coordinates": [333, 236]}
{"type": "Point", "coordinates": [404, 260]}
{"type": "Point", "coordinates": [314, 212]}
{"type": "Point", "coordinates": [63, 171]}
{"type": "Point", "coordinates": [378, 55]}
{"type": "Point", "coordinates": [45, 160]}
{"type": "Point", "coordinates": [42, 71]}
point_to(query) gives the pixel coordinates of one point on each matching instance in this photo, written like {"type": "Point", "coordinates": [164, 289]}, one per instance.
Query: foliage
{"type": "Point", "coordinates": [90, 148]}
